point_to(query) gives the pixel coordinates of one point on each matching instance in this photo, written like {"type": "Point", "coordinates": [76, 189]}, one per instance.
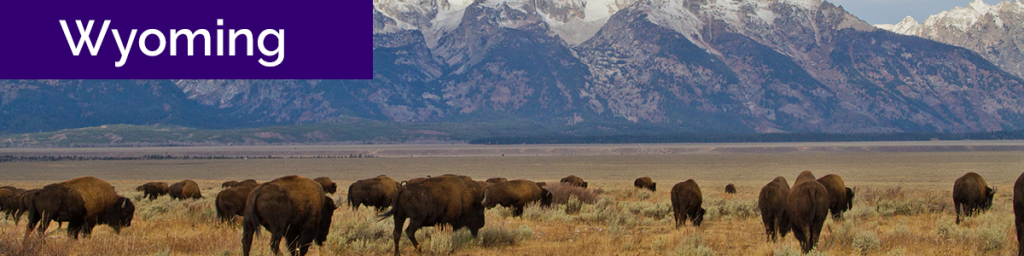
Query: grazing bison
{"type": "Point", "coordinates": [849, 198]}
{"type": "Point", "coordinates": [838, 199]}
{"type": "Point", "coordinates": [807, 209]}
{"type": "Point", "coordinates": [378, 192]}
{"type": "Point", "coordinates": [1018, 212]}
{"type": "Point", "coordinates": [329, 186]}
{"type": "Point", "coordinates": [228, 184]}
{"type": "Point", "coordinates": [185, 189]}
{"type": "Point", "coordinates": [574, 181]}
{"type": "Point", "coordinates": [686, 203]}
{"type": "Point", "coordinates": [516, 194]}
{"type": "Point", "coordinates": [82, 202]}
{"type": "Point", "coordinates": [8, 203]}
{"type": "Point", "coordinates": [153, 189]}
{"type": "Point", "coordinates": [21, 203]}
{"type": "Point", "coordinates": [730, 188]}
{"type": "Point", "coordinates": [454, 200]}
{"type": "Point", "coordinates": [231, 201]}
{"type": "Point", "coordinates": [496, 180]}
{"type": "Point", "coordinates": [645, 183]}
{"type": "Point", "coordinates": [972, 194]}
{"type": "Point", "coordinates": [772, 203]}
{"type": "Point", "coordinates": [293, 207]}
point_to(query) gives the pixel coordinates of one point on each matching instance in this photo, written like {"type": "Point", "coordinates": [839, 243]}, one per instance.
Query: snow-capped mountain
{"type": "Point", "coordinates": [610, 67]}
{"type": "Point", "coordinates": [994, 31]}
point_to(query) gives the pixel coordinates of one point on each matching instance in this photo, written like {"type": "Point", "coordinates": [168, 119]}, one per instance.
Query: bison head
{"type": "Point", "coordinates": [326, 213]}
{"type": "Point", "coordinates": [120, 214]}
{"type": "Point", "coordinates": [545, 197]}
{"type": "Point", "coordinates": [849, 198]}
{"type": "Point", "coordinates": [989, 194]}
{"type": "Point", "coordinates": [584, 184]}
{"type": "Point", "coordinates": [654, 186]}
{"type": "Point", "coordinates": [699, 217]}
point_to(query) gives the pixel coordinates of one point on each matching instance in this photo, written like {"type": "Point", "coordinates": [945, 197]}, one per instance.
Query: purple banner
{"type": "Point", "coordinates": [151, 40]}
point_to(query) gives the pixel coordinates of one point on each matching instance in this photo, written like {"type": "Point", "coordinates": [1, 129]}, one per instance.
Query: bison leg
{"type": "Point", "coordinates": [956, 208]}
{"type": "Point", "coordinates": [247, 233]}
{"type": "Point", "coordinates": [805, 243]}
{"type": "Point", "coordinates": [411, 233]}
{"type": "Point", "coordinates": [518, 212]}
{"type": "Point", "coordinates": [770, 223]}
{"type": "Point", "coordinates": [275, 242]}
{"type": "Point", "coordinates": [1020, 234]}
{"type": "Point", "coordinates": [399, 222]}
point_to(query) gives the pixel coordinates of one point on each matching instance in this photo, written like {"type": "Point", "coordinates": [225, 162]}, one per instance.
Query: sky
{"type": "Point", "coordinates": [893, 11]}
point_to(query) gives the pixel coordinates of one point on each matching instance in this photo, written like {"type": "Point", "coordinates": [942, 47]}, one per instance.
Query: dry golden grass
{"type": "Point", "coordinates": [903, 206]}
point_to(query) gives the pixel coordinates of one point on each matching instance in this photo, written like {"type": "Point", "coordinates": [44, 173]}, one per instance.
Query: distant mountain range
{"type": "Point", "coordinates": [567, 67]}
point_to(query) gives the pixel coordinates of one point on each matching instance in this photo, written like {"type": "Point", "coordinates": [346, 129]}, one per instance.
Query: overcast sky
{"type": "Point", "coordinates": [893, 11]}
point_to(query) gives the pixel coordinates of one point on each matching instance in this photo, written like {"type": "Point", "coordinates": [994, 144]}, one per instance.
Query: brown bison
{"type": "Point", "coordinates": [228, 184]}
{"type": "Point", "coordinates": [686, 203]}
{"type": "Point", "coordinates": [838, 199]}
{"type": "Point", "coordinates": [496, 180]}
{"type": "Point", "coordinates": [8, 203]}
{"type": "Point", "coordinates": [454, 200]}
{"type": "Point", "coordinates": [185, 189]}
{"type": "Point", "coordinates": [645, 183]}
{"type": "Point", "coordinates": [378, 192]}
{"type": "Point", "coordinates": [231, 201]}
{"type": "Point", "coordinates": [772, 203]}
{"type": "Point", "coordinates": [21, 201]}
{"type": "Point", "coordinates": [807, 209]}
{"type": "Point", "coordinates": [329, 186]}
{"type": "Point", "coordinates": [972, 194]}
{"type": "Point", "coordinates": [293, 207]}
{"type": "Point", "coordinates": [516, 194]}
{"type": "Point", "coordinates": [1018, 212]}
{"type": "Point", "coordinates": [730, 188]}
{"type": "Point", "coordinates": [153, 189]}
{"type": "Point", "coordinates": [82, 202]}
{"type": "Point", "coordinates": [574, 181]}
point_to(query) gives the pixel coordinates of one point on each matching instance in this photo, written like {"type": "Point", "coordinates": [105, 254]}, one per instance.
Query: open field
{"type": "Point", "coordinates": [903, 204]}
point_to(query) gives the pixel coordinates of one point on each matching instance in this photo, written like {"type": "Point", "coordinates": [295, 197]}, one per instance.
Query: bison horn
{"type": "Point", "coordinates": [124, 204]}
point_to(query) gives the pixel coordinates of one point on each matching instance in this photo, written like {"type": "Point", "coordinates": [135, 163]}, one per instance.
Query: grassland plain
{"type": "Point", "coordinates": [903, 205]}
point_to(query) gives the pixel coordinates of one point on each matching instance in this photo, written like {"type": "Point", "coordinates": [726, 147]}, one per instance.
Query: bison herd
{"type": "Point", "coordinates": [299, 210]}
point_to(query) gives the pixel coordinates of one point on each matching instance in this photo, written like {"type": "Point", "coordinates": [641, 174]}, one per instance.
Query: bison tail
{"type": "Point", "coordinates": [387, 214]}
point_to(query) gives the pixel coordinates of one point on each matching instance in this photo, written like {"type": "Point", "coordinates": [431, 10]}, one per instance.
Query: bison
{"type": "Point", "coordinates": [574, 181]}
{"type": "Point", "coordinates": [686, 203]}
{"type": "Point", "coordinates": [453, 200]}
{"type": "Point", "coordinates": [185, 189]}
{"type": "Point", "coordinates": [231, 201]}
{"type": "Point", "coordinates": [153, 189]}
{"type": "Point", "coordinates": [378, 192]}
{"type": "Point", "coordinates": [83, 202]}
{"type": "Point", "coordinates": [972, 194]}
{"type": "Point", "coordinates": [730, 188]}
{"type": "Point", "coordinates": [849, 198]}
{"type": "Point", "coordinates": [645, 183]}
{"type": "Point", "coordinates": [772, 203]}
{"type": "Point", "coordinates": [1018, 212]}
{"type": "Point", "coordinates": [293, 207]}
{"type": "Point", "coordinates": [8, 203]}
{"type": "Point", "coordinates": [228, 184]}
{"type": "Point", "coordinates": [329, 186]}
{"type": "Point", "coordinates": [496, 180]}
{"type": "Point", "coordinates": [21, 202]}
{"type": "Point", "coordinates": [516, 194]}
{"type": "Point", "coordinates": [807, 209]}
{"type": "Point", "coordinates": [838, 199]}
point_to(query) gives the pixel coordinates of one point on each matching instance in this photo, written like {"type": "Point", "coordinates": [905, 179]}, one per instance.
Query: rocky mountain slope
{"type": "Point", "coordinates": [994, 31]}
{"type": "Point", "coordinates": [589, 67]}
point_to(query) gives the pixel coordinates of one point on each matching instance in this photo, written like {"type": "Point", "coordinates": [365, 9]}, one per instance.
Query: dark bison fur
{"type": "Point", "coordinates": [83, 203]}
{"type": "Point", "coordinates": [574, 181]}
{"type": "Point", "coordinates": [1018, 212]}
{"type": "Point", "coordinates": [730, 188]}
{"type": "Point", "coordinates": [807, 209]}
{"type": "Point", "coordinates": [971, 195]}
{"type": "Point", "coordinates": [231, 202]}
{"type": "Point", "coordinates": [292, 207]}
{"type": "Point", "coordinates": [838, 200]}
{"type": "Point", "coordinates": [378, 192]}
{"type": "Point", "coordinates": [449, 199]}
{"type": "Point", "coordinates": [185, 189]}
{"type": "Point", "coordinates": [329, 186]}
{"type": "Point", "coordinates": [228, 184]}
{"type": "Point", "coordinates": [496, 180]}
{"type": "Point", "coordinates": [686, 203]}
{"type": "Point", "coordinates": [645, 183]}
{"type": "Point", "coordinates": [153, 189]}
{"type": "Point", "coordinates": [516, 194]}
{"type": "Point", "coordinates": [772, 203]}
